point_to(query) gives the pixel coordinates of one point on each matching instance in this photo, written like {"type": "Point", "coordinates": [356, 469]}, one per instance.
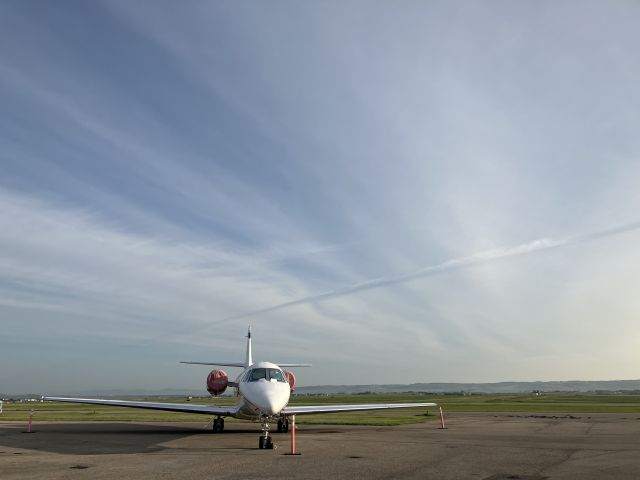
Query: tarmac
{"type": "Point", "coordinates": [485, 446]}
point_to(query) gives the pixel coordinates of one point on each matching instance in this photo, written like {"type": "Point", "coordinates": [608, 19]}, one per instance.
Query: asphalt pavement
{"type": "Point", "coordinates": [486, 446]}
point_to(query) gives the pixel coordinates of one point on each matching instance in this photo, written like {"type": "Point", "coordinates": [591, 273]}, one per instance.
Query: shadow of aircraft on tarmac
{"type": "Point", "coordinates": [112, 438]}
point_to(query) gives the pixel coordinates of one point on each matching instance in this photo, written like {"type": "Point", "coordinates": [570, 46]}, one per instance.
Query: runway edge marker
{"type": "Point", "coordinates": [30, 422]}
{"type": "Point", "coordinates": [293, 437]}
{"type": "Point", "coordinates": [442, 427]}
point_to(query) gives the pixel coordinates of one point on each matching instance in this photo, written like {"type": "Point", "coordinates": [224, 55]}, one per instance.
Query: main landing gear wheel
{"type": "Point", "coordinates": [218, 424]}
{"type": "Point", "coordinates": [283, 425]}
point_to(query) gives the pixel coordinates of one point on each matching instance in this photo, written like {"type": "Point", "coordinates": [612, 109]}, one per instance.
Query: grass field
{"type": "Point", "coordinates": [549, 403]}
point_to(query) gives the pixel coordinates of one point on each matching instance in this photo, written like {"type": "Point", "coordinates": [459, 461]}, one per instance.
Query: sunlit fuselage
{"type": "Point", "coordinates": [262, 397]}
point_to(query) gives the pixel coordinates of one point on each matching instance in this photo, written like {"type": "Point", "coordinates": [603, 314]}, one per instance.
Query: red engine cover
{"type": "Point", "coordinates": [217, 382]}
{"type": "Point", "coordinates": [291, 378]}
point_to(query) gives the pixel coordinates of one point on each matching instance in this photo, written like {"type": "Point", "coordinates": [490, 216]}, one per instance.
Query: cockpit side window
{"type": "Point", "coordinates": [275, 374]}
{"type": "Point", "coordinates": [257, 374]}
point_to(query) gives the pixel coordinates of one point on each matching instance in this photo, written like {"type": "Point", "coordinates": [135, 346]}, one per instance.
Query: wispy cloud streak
{"type": "Point", "coordinates": [453, 264]}
{"type": "Point", "coordinates": [220, 159]}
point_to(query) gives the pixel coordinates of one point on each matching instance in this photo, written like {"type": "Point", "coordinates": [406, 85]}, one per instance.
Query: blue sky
{"type": "Point", "coordinates": [395, 192]}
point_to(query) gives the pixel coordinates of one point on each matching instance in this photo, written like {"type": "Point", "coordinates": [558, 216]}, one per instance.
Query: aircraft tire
{"type": "Point", "coordinates": [261, 443]}
{"type": "Point", "coordinates": [216, 425]}
{"type": "Point", "coordinates": [280, 426]}
{"type": "Point", "coordinates": [221, 424]}
{"type": "Point", "coordinates": [268, 444]}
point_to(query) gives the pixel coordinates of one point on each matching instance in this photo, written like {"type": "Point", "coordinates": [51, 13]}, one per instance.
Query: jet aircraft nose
{"type": "Point", "coordinates": [270, 405]}
{"type": "Point", "coordinates": [268, 397]}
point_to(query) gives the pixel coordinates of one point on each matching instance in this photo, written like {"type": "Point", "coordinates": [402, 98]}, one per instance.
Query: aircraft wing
{"type": "Point", "coordinates": [307, 409]}
{"type": "Point", "coordinates": [171, 407]}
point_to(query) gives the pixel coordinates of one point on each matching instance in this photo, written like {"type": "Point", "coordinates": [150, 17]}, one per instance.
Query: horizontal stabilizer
{"type": "Point", "coordinates": [218, 364]}
{"type": "Point", "coordinates": [238, 364]}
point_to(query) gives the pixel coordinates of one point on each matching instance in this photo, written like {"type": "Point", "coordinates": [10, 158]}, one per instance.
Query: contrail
{"type": "Point", "coordinates": [539, 245]}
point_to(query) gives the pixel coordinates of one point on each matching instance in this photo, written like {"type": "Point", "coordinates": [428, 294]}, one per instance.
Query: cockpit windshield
{"type": "Point", "coordinates": [270, 374]}
{"type": "Point", "coordinates": [276, 374]}
{"type": "Point", "coordinates": [257, 374]}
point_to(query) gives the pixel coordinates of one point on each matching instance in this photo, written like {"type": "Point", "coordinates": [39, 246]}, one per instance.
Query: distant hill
{"type": "Point", "coordinates": [500, 387]}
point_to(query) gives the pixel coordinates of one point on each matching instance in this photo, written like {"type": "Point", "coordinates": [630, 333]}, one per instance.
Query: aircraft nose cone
{"type": "Point", "coordinates": [271, 407]}
{"type": "Point", "coordinates": [271, 402]}
{"type": "Point", "coordinates": [268, 398]}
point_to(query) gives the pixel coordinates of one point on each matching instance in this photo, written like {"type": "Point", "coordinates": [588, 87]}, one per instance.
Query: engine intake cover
{"type": "Point", "coordinates": [291, 378]}
{"type": "Point", "coordinates": [217, 382]}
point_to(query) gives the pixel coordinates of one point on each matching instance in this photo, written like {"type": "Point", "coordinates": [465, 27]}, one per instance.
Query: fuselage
{"type": "Point", "coordinates": [263, 390]}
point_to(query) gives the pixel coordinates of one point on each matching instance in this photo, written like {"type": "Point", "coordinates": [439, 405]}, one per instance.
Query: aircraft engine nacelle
{"type": "Point", "coordinates": [291, 378]}
{"type": "Point", "coordinates": [217, 382]}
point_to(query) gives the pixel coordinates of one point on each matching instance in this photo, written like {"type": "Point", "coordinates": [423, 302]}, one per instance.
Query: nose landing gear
{"type": "Point", "coordinates": [265, 442]}
{"type": "Point", "coordinates": [265, 439]}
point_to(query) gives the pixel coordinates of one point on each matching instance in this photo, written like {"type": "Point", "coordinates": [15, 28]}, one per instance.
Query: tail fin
{"type": "Point", "coordinates": [248, 360]}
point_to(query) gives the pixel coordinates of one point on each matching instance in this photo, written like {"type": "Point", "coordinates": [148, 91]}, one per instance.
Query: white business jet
{"type": "Point", "coordinates": [264, 390]}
